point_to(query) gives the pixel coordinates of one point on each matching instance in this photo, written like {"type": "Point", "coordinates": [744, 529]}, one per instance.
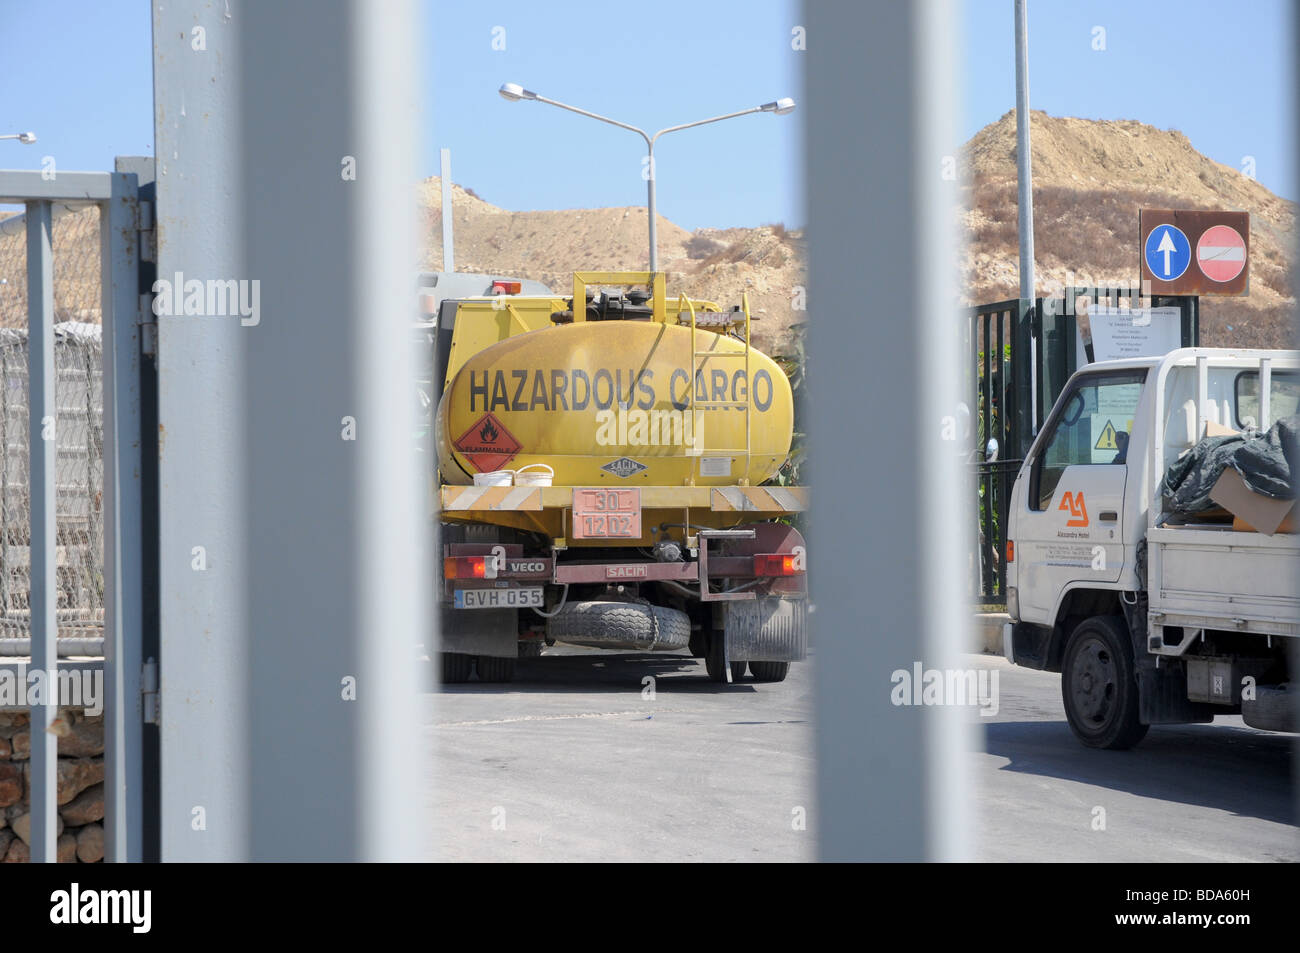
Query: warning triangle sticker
{"type": "Point", "coordinates": [488, 445]}
{"type": "Point", "coordinates": [1107, 439]}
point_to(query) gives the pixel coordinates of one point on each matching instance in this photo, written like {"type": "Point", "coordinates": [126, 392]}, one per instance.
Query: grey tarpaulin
{"type": "Point", "coordinates": [1267, 462]}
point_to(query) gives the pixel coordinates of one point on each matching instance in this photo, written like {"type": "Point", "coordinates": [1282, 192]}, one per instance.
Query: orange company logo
{"type": "Point", "coordinates": [1073, 504]}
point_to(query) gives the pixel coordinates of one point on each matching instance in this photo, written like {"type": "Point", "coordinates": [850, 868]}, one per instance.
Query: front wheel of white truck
{"type": "Point", "coordinates": [1099, 685]}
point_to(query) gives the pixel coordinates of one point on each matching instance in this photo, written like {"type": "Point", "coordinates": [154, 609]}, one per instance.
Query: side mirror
{"type": "Point", "coordinates": [991, 450]}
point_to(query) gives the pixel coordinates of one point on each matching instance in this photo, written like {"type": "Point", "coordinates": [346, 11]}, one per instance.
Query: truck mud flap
{"type": "Point", "coordinates": [1162, 696]}
{"type": "Point", "coordinates": [767, 630]}
{"type": "Point", "coordinates": [1029, 645]}
{"type": "Point", "coordinates": [492, 632]}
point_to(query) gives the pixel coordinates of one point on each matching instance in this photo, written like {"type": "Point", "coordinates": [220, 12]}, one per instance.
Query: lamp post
{"type": "Point", "coordinates": [513, 92]}
{"type": "Point", "coordinates": [27, 138]}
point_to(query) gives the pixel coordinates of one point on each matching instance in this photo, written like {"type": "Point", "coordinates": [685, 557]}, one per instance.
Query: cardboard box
{"type": "Point", "coordinates": [1288, 525]}
{"type": "Point", "coordinates": [1218, 430]}
{"type": "Point", "coordinates": [1260, 513]}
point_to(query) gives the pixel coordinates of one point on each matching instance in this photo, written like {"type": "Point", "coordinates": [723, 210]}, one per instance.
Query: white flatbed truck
{"type": "Point", "coordinates": [1152, 619]}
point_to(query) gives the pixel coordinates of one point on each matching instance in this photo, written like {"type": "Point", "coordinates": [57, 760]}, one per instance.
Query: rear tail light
{"type": "Point", "coordinates": [776, 564]}
{"type": "Point", "coordinates": [466, 567]}
{"type": "Point", "coordinates": [506, 287]}
{"type": "Point", "coordinates": [1011, 550]}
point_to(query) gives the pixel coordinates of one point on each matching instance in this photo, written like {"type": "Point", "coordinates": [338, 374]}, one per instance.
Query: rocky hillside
{"type": "Point", "coordinates": [1090, 179]}
{"type": "Point", "coordinates": [715, 264]}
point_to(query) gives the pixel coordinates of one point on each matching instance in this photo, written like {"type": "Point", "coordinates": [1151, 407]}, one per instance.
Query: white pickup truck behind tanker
{"type": "Point", "coordinates": [1151, 616]}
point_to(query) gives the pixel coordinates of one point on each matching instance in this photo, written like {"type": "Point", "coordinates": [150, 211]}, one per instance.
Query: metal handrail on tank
{"type": "Point", "coordinates": [696, 369]}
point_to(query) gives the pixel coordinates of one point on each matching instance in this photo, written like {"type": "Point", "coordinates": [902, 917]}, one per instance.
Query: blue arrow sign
{"type": "Point", "coordinates": [1168, 252]}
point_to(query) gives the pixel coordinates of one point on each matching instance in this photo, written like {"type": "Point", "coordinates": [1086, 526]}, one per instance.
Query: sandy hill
{"type": "Point", "coordinates": [1090, 179]}
{"type": "Point", "coordinates": [714, 264]}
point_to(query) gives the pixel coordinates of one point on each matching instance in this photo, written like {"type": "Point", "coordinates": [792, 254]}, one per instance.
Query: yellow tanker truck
{"type": "Point", "coordinates": [599, 466]}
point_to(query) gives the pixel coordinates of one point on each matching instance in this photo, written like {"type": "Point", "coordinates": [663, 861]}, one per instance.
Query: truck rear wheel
{"type": "Point", "coordinates": [493, 669]}
{"type": "Point", "coordinates": [769, 671]}
{"type": "Point", "coordinates": [456, 667]}
{"type": "Point", "coordinates": [1099, 685]}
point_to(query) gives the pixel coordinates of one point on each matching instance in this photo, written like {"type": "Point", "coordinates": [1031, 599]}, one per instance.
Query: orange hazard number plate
{"type": "Point", "coordinates": [606, 514]}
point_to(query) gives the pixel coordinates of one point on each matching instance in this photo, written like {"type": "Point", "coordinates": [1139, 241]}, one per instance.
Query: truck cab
{"type": "Point", "coordinates": [1151, 616]}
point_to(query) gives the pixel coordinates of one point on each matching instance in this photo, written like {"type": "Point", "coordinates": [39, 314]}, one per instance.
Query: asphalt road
{"type": "Point", "coordinates": [1190, 793]}
{"type": "Point", "coordinates": [546, 768]}
{"type": "Point", "coordinates": [571, 762]}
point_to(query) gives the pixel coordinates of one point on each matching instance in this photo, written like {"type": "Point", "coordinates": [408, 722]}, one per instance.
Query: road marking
{"type": "Point", "coordinates": [639, 712]}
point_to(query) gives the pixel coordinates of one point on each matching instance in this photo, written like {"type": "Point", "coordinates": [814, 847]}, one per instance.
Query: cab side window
{"type": "Point", "coordinates": [1092, 428]}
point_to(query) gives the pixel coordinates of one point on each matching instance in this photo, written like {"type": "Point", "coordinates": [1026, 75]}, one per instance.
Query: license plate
{"type": "Point", "coordinates": [498, 598]}
{"type": "Point", "coordinates": [600, 513]}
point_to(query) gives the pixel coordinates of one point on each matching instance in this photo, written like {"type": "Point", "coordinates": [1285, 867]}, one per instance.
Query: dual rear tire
{"type": "Point", "coordinates": [769, 671]}
{"type": "Point", "coordinates": [759, 671]}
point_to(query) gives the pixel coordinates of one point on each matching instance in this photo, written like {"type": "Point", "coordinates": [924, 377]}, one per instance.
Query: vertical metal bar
{"type": "Point", "coordinates": [448, 240]}
{"type": "Point", "coordinates": [1024, 158]}
{"type": "Point", "coordinates": [1005, 447]}
{"type": "Point", "coordinates": [984, 470]}
{"type": "Point", "coordinates": [1265, 389]}
{"type": "Point", "coordinates": [1024, 371]}
{"type": "Point", "coordinates": [123, 521]}
{"type": "Point", "coordinates": [1001, 377]}
{"type": "Point", "coordinates": [336, 599]}
{"type": "Point", "coordinates": [997, 544]}
{"type": "Point", "coordinates": [695, 364]}
{"type": "Point", "coordinates": [972, 376]}
{"type": "Point", "coordinates": [651, 213]}
{"type": "Point", "coordinates": [972, 387]}
{"type": "Point", "coordinates": [4, 485]}
{"type": "Point", "coordinates": [1036, 344]}
{"type": "Point", "coordinates": [1202, 395]}
{"type": "Point", "coordinates": [1009, 404]}
{"type": "Point", "coordinates": [203, 667]}
{"type": "Point", "coordinates": [986, 411]}
{"type": "Point", "coordinates": [896, 792]}
{"type": "Point", "coordinates": [1291, 79]}
{"type": "Point", "coordinates": [94, 456]}
{"type": "Point", "coordinates": [142, 642]}
{"type": "Point", "coordinates": [749, 398]}
{"type": "Point", "coordinates": [42, 446]}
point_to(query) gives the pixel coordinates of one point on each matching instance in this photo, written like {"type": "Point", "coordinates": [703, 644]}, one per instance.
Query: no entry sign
{"type": "Point", "coordinates": [1221, 253]}
{"type": "Point", "coordinates": [1195, 252]}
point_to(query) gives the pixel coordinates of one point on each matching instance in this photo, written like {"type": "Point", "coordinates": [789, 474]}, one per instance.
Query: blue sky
{"type": "Point", "coordinates": [79, 76]}
{"type": "Point", "coordinates": [1220, 73]}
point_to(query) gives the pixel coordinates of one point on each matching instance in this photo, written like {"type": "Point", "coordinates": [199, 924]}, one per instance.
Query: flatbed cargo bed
{"type": "Point", "coordinates": [1219, 578]}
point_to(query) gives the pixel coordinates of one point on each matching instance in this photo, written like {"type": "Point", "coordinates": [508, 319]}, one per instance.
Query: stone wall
{"type": "Point", "coordinates": [81, 786]}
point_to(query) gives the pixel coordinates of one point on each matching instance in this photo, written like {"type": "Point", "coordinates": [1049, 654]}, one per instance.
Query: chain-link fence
{"type": "Point", "coordinates": [78, 428]}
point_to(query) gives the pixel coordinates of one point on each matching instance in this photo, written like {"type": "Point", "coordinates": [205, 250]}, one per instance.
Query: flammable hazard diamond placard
{"type": "Point", "coordinates": [488, 445]}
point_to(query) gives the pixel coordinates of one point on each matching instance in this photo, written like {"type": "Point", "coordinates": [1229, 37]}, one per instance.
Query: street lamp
{"type": "Point", "coordinates": [513, 92]}
{"type": "Point", "coordinates": [27, 138]}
